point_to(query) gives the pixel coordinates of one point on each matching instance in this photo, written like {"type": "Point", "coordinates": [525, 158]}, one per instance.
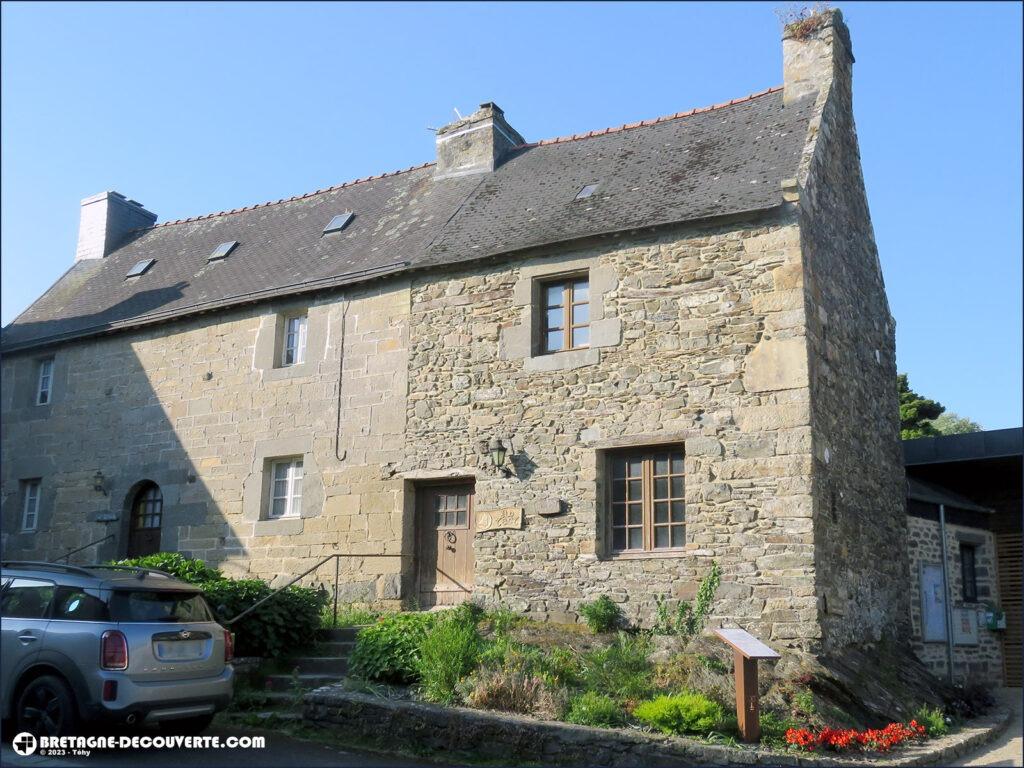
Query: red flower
{"type": "Point", "coordinates": [877, 739]}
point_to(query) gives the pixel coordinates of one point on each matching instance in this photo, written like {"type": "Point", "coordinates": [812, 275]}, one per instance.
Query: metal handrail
{"type": "Point", "coordinates": [337, 575]}
{"type": "Point", "coordinates": [67, 555]}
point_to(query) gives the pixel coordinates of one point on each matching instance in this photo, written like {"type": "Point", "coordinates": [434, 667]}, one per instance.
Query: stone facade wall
{"type": "Point", "coordinates": [693, 304]}
{"type": "Point", "coordinates": [195, 408]}
{"type": "Point", "coordinates": [857, 478]}
{"type": "Point", "coordinates": [982, 663]}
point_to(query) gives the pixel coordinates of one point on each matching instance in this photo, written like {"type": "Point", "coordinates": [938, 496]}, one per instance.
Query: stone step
{"type": "Point", "coordinates": [341, 649]}
{"type": "Point", "coordinates": [318, 665]}
{"type": "Point", "coordinates": [303, 681]}
{"type": "Point", "coordinates": [341, 634]}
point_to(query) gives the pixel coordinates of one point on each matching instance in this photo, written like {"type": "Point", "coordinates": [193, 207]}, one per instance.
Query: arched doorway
{"type": "Point", "coordinates": [146, 518]}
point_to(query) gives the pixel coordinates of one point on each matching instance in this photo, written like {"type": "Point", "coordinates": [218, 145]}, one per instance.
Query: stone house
{"type": "Point", "coordinates": [977, 480]}
{"type": "Point", "coordinates": [676, 332]}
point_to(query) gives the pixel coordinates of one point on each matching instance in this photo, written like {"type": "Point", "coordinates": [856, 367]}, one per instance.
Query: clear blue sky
{"type": "Point", "coordinates": [198, 108]}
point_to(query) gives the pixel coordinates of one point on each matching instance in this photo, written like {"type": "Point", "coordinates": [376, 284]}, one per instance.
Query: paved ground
{"type": "Point", "coordinates": [1006, 750]}
{"type": "Point", "coordinates": [281, 751]}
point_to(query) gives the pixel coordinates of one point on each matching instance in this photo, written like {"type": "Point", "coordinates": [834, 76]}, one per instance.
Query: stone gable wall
{"type": "Point", "coordinates": [858, 480]}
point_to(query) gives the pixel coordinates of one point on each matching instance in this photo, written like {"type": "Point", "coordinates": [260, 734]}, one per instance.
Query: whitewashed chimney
{"type": "Point", "coordinates": [106, 220]}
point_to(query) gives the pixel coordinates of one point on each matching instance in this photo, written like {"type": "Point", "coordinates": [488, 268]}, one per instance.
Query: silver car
{"type": "Point", "coordinates": [108, 643]}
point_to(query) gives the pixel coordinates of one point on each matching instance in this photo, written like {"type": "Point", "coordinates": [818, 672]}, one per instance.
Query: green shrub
{"type": "Point", "coordinates": [389, 650]}
{"type": "Point", "coordinates": [503, 621]}
{"type": "Point", "coordinates": [561, 667]}
{"type": "Point", "coordinates": [621, 670]}
{"type": "Point", "coordinates": [189, 569]}
{"type": "Point", "coordinates": [934, 721]}
{"type": "Point", "coordinates": [602, 615]}
{"type": "Point", "coordinates": [773, 729]}
{"type": "Point", "coordinates": [685, 713]}
{"type": "Point", "coordinates": [594, 709]}
{"type": "Point", "coordinates": [688, 620]}
{"type": "Point", "coordinates": [447, 654]}
{"type": "Point", "coordinates": [282, 625]}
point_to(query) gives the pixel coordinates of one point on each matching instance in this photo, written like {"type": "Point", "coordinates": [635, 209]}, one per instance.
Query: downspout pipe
{"type": "Point", "coordinates": [945, 594]}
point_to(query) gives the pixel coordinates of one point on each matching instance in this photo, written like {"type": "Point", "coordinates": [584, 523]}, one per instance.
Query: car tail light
{"type": "Point", "coordinates": [113, 650]}
{"type": "Point", "coordinates": [229, 646]}
{"type": "Point", "coordinates": [110, 690]}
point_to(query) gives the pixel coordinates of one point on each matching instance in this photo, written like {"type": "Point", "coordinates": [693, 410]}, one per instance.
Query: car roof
{"type": "Point", "coordinates": [97, 576]}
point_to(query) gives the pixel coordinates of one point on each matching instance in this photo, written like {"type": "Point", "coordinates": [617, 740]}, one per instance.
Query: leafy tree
{"type": "Point", "coordinates": [950, 423]}
{"type": "Point", "coordinates": [916, 412]}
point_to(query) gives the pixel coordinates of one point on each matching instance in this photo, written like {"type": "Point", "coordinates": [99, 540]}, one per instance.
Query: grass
{"type": "Point", "coordinates": [348, 616]}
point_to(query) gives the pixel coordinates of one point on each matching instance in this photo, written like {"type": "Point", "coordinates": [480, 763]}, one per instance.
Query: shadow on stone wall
{"type": "Point", "coordinates": [105, 436]}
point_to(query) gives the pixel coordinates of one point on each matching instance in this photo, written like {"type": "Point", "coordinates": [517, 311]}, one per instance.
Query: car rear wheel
{"type": "Point", "coordinates": [47, 708]}
{"type": "Point", "coordinates": [188, 726]}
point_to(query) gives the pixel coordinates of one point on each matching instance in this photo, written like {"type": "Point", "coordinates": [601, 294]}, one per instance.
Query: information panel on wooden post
{"type": "Point", "coordinates": [747, 649]}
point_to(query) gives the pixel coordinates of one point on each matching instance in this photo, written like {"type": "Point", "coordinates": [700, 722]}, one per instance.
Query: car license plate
{"type": "Point", "coordinates": [179, 650]}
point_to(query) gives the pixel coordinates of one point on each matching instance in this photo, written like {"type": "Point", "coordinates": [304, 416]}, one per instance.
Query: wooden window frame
{"type": "Point", "coordinates": [301, 334]}
{"type": "Point", "coordinates": [568, 306]}
{"type": "Point", "coordinates": [148, 508]}
{"type": "Point", "coordinates": [969, 596]}
{"type": "Point", "coordinates": [292, 497]}
{"type": "Point", "coordinates": [44, 392]}
{"type": "Point", "coordinates": [31, 492]}
{"type": "Point", "coordinates": [646, 455]}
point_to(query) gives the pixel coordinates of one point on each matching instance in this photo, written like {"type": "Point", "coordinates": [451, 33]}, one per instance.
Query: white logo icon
{"type": "Point", "coordinates": [24, 744]}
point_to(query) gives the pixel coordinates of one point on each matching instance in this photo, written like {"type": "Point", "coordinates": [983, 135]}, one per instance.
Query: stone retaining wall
{"type": "Point", "coordinates": [451, 731]}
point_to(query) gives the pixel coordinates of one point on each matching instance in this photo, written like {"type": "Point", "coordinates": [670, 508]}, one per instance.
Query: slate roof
{"type": "Point", "coordinates": [717, 161]}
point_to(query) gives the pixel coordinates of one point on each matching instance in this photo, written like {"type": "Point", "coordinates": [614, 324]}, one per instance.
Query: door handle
{"type": "Point", "coordinates": [27, 638]}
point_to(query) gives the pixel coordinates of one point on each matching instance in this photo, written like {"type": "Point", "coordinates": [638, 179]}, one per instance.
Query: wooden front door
{"type": "Point", "coordinates": [147, 517]}
{"type": "Point", "coordinates": [1008, 555]}
{"type": "Point", "coordinates": [445, 550]}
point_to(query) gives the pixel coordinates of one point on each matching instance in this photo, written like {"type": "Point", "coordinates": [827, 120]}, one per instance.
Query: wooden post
{"type": "Point", "coordinates": [747, 649]}
{"type": "Point", "coordinates": [748, 710]}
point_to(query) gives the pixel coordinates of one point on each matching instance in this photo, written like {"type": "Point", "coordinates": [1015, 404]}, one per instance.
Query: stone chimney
{"type": "Point", "coordinates": [816, 56]}
{"type": "Point", "coordinates": [106, 220]}
{"type": "Point", "coordinates": [475, 144]}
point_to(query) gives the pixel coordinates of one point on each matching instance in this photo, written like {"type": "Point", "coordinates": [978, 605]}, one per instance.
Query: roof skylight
{"type": "Point", "coordinates": [339, 222]}
{"type": "Point", "coordinates": [140, 268]}
{"type": "Point", "coordinates": [222, 250]}
{"type": "Point", "coordinates": [587, 191]}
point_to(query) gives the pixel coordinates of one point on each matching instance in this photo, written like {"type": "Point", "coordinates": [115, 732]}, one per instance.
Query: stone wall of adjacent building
{"type": "Point", "coordinates": [198, 407]}
{"type": "Point", "coordinates": [692, 304]}
{"type": "Point", "coordinates": [981, 663]}
{"type": "Point", "coordinates": [857, 478]}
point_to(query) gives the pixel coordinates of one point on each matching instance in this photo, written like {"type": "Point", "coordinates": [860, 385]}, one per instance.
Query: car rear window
{"type": "Point", "coordinates": [139, 605]}
{"type": "Point", "coordinates": [75, 604]}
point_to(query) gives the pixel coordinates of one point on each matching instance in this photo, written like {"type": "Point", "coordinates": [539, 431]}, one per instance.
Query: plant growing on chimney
{"type": "Point", "coordinates": [800, 22]}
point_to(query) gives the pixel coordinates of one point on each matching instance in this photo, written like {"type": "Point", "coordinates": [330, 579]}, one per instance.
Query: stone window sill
{"type": "Point", "coordinates": [282, 373]}
{"type": "Point", "coordinates": [282, 526]}
{"type": "Point", "coordinates": [660, 554]}
{"type": "Point", "coordinates": [562, 361]}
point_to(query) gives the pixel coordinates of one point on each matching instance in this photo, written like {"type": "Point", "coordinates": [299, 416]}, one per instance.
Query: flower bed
{"type": "Point", "coordinates": [845, 739]}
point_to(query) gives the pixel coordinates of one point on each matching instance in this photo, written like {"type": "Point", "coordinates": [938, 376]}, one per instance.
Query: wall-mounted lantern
{"type": "Point", "coordinates": [99, 482]}
{"type": "Point", "coordinates": [498, 452]}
